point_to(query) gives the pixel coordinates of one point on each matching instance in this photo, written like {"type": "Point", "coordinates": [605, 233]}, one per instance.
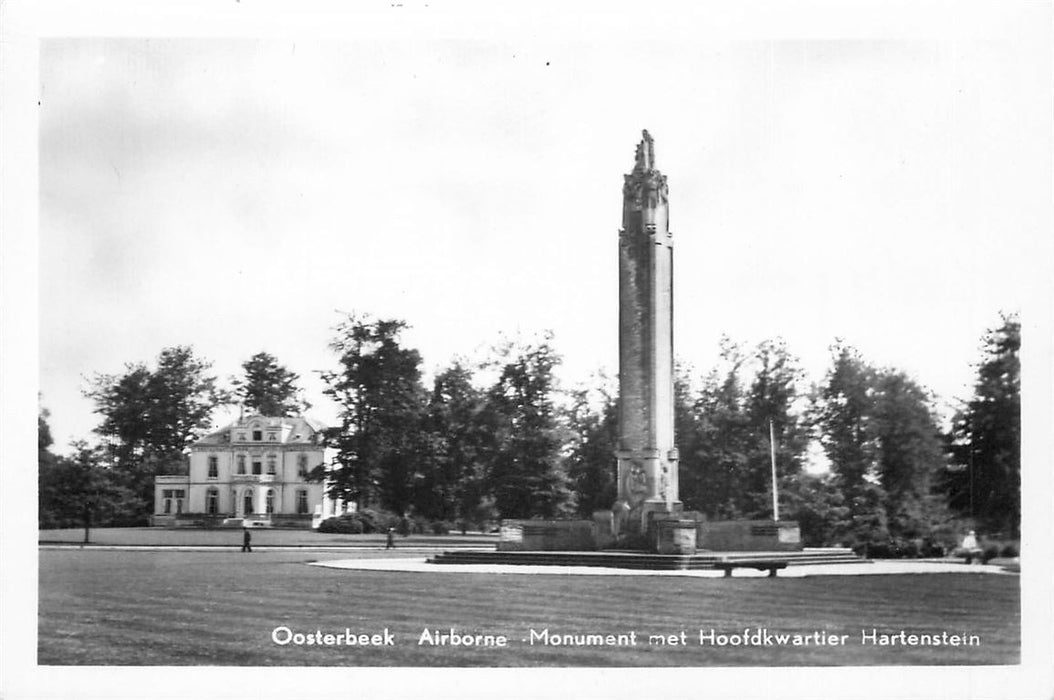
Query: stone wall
{"type": "Point", "coordinates": [748, 536]}
{"type": "Point", "coordinates": [547, 535]}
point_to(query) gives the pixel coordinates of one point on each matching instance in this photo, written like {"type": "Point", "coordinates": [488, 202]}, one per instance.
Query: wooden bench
{"type": "Point", "coordinates": [760, 565]}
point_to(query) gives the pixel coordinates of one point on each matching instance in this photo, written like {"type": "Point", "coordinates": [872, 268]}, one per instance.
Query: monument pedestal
{"type": "Point", "coordinates": [674, 535]}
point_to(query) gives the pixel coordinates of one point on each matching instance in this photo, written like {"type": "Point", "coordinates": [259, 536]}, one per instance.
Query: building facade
{"type": "Point", "coordinates": [253, 472]}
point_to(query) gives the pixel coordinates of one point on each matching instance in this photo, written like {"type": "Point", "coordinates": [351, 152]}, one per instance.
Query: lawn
{"type": "Point", "coordinates": [103, 607]}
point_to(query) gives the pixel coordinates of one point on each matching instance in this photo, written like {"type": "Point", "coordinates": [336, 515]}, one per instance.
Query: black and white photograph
{"type": "Point", "coordinates": [479, 351]}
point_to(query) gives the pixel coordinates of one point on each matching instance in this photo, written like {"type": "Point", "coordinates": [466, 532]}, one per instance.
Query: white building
{"type": "Point", "coordinates": [253, 472]}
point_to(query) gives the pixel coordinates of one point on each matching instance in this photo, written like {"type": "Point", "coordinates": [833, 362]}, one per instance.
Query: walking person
{"type": "Point", "coordinates": [391, 539]}
{"type": "Point", "coordinates": [246, 540]}
{"type": "Point", "coordinates": [970, 549]}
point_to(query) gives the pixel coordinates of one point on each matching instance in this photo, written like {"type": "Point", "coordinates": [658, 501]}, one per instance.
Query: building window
{"type": "Point", "coordinates": [271, 464]}
{"type": "Point", "coordinates": [257, 435]}
{"type": "Point", "coordinates": [257, 466]}
{"type": "Point", "coordinates": [241, 464]}
{"type": "Point", "coordinates": [212, 501]}
{"type": "Point", "coordinates": [170, 495]}
{"type": "Point", "coordinates": [214, 467]}
{"type": "Point", "coordinates": [247, 502]}
{"type": "Point", "coordinates": [301, 465]}
{"type": "Point", "coordinates": [301, 501]}
{"type": "Point", "coordinates": [270, 501]}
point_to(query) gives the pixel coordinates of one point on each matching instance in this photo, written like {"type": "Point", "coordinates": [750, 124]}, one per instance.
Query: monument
{"type": "Point", "coordinates": [647, 456]}
{"type": "Point", "coordinates": [647, 526]}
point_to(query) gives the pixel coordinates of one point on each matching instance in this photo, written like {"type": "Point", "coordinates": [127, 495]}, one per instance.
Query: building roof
{"type": "Point", "coordinates": [294, 429]}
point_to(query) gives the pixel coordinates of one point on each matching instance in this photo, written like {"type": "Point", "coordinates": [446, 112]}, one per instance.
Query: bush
{"type": "Point", "coordinates": [336, 526]}
{"type": "Point", "coordinates": [896, 549]}
{"type": "Point", "coordinates": [440, 527]}
{"type": "Point", "coordinates": [873, 550]}
{"type": "Point", "coordinates": [380, 520]}
{"type": "Point", "coordinates": [905, 549]}
{"type": "Point", "coordinates": [347, 524]}
{"type": "Point", "coordinates": [991, 551]}
{"type": "Point", "coordinates": [1009, 551]}
{"type": "Point", "coordinates": [420, 525]}
{"type": "Point", "coordinates": [930, 548]}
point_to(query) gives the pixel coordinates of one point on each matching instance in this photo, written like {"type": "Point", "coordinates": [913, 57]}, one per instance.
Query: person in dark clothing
{"type": "Point", "coordinates": [246, 540]}
{"type": "Point", "coordinates": [391, 538]}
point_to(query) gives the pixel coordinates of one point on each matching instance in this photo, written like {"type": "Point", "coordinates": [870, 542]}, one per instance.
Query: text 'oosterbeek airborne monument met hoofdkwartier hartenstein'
{"type": "Point", "coordinates": [647, 456]}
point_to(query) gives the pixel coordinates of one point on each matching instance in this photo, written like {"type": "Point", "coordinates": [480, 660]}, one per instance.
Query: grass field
{"type": "Point", "coordinates": [219, 608]}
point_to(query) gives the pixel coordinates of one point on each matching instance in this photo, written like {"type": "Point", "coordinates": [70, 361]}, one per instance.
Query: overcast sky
{"type": "Point", "coordinates": [235, 194]}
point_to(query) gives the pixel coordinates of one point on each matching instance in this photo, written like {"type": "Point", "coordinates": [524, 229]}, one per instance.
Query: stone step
{"type": "Point", "coordinates": [645, 560]}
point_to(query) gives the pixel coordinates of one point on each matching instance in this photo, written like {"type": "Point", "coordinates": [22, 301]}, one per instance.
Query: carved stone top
{"type": "Point", "coordinates": [645, 186]}
{"type": "Point", "coordinates": [645, 155]}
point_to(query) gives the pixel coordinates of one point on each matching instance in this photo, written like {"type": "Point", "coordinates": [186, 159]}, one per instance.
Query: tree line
{"type": "Point", "coordinates": [501, 439]}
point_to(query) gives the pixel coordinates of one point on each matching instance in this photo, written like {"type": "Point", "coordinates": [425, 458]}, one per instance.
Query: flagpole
{"type": "Point", "coordinates": [775, 497]}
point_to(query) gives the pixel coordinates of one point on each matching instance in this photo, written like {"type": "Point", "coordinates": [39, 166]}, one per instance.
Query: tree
{"type": "Point", "coordinates": [268, 388]}
{"type": "Point", "coordinates": [526, 475]}
{"type": "Point", "coordinates": [909, 453]}
{"type": "Point", "coordinates": [815, 502]}
{"type": "Point", "coordinates": [81, 489]}
{"type": "Point", "coordinates": [841, 413]}
{"type": "Point", "coordinates": [458, 438]}
{"type": "Point", "coordinates": [150, 417]}
{"type": "Point", "coordinates": [44, 439]}
{"type": "Point", "coordinates": [592, 468]}
{"type": "Point", "coordinates": [771, 401]}
{"type": "Point", "coordinates": [694, 475]}
{"type": "Point", "coordinates": [984, 481]}
{"type": "Point", "coordinates": [713, 430]}
{"type": "Point", "coordinates": [47, 516]}
{"type": "Point", "coordinates": [880, 433]}
{"type": "Point", "coordinates": [184, 395]}
{"type": "Point", "coordinates": [723, 430]}
{"type": "Point", "coordinates": [379, 441]}
{"type": "Point", "coordinates": [127, 406]}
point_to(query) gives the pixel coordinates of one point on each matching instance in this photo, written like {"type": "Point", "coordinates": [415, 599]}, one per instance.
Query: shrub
{"type": "Point", "coordinates": [420, 525]}
{"type": "Point", "coordinates": [1009, 551]}
{"type": "Point", "coordinates": [380, 520]}
{"type": "Point", "coordinates": [931, 548]}
{"type": "Point", "coordinates": [334, 525]}
{"type": "Point", "coordinates": [440, 527]}
{"type": "Point", "coordinates": [991, 551]}
{"type": "Point", "coordinates": [905, 549]}
{"type": "Point", "coordinates": [874, 550]}
{"type": "Point", "coordinates": [347, 524]}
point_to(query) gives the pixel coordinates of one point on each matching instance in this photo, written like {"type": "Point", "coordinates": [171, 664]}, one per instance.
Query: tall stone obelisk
{"type": "Point", "coordinates": [647, 456]}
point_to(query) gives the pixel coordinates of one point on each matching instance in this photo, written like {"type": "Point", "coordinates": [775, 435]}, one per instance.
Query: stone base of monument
{"type": "Point", "coordinates": [618, 559]}
{"type": "Point", "coordinates": [671, 541]}
{"type": "Point", "coordinates": [748, 536]}
{"type": "Point", "coordinates": [548, 536]}
{"type": "Point", "coordinates": [680, 533]}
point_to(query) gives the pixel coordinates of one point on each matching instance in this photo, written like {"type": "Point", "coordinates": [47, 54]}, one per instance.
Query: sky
{"type": "Point", "coordinates": [240, 194]}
